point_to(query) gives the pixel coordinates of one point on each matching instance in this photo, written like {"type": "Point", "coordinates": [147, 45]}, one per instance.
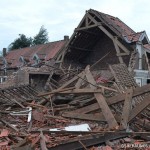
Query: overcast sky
{"type": "Point", "coordinates": [60, 17]}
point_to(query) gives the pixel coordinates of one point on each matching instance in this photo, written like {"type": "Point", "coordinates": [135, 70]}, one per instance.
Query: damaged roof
{"type": "Point", "coordinates": [119, 27]}
{"type": "Point", "coordinates": [95, 36]}
{"type": "Point", "coordinates": [44, 52]}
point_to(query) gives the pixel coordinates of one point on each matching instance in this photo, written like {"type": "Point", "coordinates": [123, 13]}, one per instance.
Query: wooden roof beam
{"type": "Point", "coordinates": [81, 49]}
{"type": "Point", "coordinates": [114, 39]}
{"type": "Point", "coordinates": [87, 27]}
{"type": "Point", "coordinates": [86, 31]}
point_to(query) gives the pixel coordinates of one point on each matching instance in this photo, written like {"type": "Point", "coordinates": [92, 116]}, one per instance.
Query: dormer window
{"type": "Point", "coordinates": [144, 38]}
{"type": "Point", "coordinates": [144, 41]}
{"type": "Point", "coordinates": [36, 59]}
{"type": "Point", "coordinates": [22, 60]}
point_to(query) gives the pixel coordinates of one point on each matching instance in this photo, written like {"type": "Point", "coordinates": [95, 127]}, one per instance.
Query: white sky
{"type": "Point", "coordinates": [60, 17]}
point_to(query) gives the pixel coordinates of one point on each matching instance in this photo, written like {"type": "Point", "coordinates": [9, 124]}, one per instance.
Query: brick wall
{"type": "Point", "coordinates": [100, 49]}
{"type": "Point", "coordinates": [103, 46]}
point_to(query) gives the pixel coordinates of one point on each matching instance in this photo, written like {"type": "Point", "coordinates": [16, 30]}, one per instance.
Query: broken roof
{"type": "Point", "coordinates": [99, 34]}
{"type": "Point", "coordinates": [119, 27]}
{"type": "Point", "coordinates": [44, 52]}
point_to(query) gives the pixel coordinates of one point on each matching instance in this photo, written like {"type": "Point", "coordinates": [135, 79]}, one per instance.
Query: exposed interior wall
{"type": "Point", "coordinates": [100, 48]}
{"type": "Point", "coordinates": [38, 81]}
{"type": "Point", "coordinates": [103, 46]}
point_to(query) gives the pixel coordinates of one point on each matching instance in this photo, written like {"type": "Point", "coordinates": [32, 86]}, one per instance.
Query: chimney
{"type": "Point", "coordinates": [4, 52]}
{"type": "Point", "coordinates": [66, 38]}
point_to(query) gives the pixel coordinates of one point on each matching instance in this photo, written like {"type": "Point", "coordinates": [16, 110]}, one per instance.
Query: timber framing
{"type": "Point", "coordinates": [91, 25]}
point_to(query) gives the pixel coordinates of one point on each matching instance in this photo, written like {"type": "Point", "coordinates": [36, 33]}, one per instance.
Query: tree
{"type": "Point", "coordinates": [41, 37]}
{"type": "Point", "coordinates": [20, 42]}
{"type": "Point", "coordinates": [23, 41]}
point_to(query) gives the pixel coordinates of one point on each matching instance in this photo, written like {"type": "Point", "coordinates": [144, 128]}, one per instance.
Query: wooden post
{"type": "Point", "coordinates": [127, 108]}
{"type": "Point", "coordinates": [101, 101]}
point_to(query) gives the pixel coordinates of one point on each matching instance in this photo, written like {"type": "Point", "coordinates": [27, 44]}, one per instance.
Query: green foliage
{"type": "Point", "coordinates": [23, 41]}
{"type": "Point", "coordinates": [20, 42]}
{"type": "Point", "coordinates": [41, 37]}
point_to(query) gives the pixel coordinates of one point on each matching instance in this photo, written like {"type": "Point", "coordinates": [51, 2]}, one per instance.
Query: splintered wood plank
{"type": "Point", "coordinates": [106, 111]}
{"type": "Point", "coordinates": [55, 91]}
{"type": "Point", "coordinates": [101, 101]}
{"type": "Point", "coordinates": [118, 51]}
{"type": "Point", "coordinates": [71, 90]}
{"type": "Point", "coordinates": [70, 81]}
{"type": "Point", "coordinates": [43, 141]}
{"type": "Point", "coordinates": [91, 117]}
{"type": "Point", "coordinates": [139, 108]}
{"type": "Point", "coordinates": [80, 91]}
{"type": "Point", "coordinates": [9, 125]}
{"type": "Point", "coordinates": [12, 99]}
{"type": "Point", "coordinates": [126, 108]}
{"type": "Point", "coordinates": [79, 82]}
{"type": "Point", "coordinates": [87, 109]}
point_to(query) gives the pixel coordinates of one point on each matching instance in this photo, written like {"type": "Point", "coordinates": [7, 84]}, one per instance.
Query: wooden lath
{"type": "Point", "coordinates": [18, 95]}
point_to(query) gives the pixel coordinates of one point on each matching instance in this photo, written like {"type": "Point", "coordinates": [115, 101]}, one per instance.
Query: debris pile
{"type": "Point", "coordinates": [84, 111]}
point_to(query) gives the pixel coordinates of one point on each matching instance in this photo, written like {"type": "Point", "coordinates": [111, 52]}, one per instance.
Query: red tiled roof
{"type": "Point", "coordinates": [44, 52]}
{"type": "Point", "coordinates": [119, 27]}
{"type": "Point", "coordinates": [117, 23]}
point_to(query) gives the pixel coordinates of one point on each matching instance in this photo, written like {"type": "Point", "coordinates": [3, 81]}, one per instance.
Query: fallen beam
{"type": "Point", "coordinates": [115, 99]}
{"type": "Point", "coordinates": [59, 90]}
{"type": "Point", "coordinates": [91, 140]}
{"type": "Point", "coordinates": [91, 117]}
{"type": "Point", "coordinates": [101, 101]}
{"type": "Point", "coordinates": [126, 108]}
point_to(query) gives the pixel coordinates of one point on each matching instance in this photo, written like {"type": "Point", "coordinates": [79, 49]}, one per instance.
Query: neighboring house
{"type": "Point", "coordinates": [32, 56]}
{"type": "Point", "coordinates": [102, 36]}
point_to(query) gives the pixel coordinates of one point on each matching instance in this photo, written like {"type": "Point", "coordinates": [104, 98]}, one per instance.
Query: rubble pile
{"type": "Point", "coordinates": [85, 111]}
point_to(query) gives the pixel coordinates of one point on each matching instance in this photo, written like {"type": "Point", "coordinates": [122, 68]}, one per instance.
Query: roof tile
{"type": "Point", "coordinates": [44, 51]}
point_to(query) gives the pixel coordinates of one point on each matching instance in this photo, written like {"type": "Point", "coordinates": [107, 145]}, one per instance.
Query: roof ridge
{"type": "Point", "coordinates": [113, 17]}
{"type": "Point", "coordinates": [35, 46]}
{"type": "Point", "coordinates": [100, 12]}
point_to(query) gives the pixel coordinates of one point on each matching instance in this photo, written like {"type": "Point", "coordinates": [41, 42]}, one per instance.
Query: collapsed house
{"type": "Point", "coordinates": [97, 95]}
{"type": "Point", "coordinates": [100, 35]}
